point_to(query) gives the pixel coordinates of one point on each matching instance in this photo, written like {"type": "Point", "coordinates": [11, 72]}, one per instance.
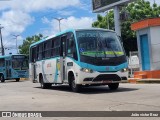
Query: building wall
{"type": "Point", "coordinates": [155, 47]}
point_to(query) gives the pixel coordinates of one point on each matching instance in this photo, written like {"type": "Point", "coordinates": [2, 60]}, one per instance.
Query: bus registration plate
{"type": "Point", "coordinates": [106, 81]}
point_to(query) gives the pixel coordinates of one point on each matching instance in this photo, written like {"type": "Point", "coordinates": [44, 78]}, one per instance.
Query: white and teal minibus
{"type": "Point", "coordinates": [13, 67]}
{"type": "Point", "coordinates": [79, 57]}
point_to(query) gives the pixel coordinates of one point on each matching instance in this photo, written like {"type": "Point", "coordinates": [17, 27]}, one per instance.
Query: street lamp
{"type": "Point", "coordinates": [59, 21]}
{"type": "Point", "coordinates": [16, 42]}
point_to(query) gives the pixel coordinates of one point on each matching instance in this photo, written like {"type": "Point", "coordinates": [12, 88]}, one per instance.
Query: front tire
{"type": "Point", "coordinates": [44, 85]}
{"type": "Point", "coordinates": [113, 86]}
{"type": "Point", "coordinates": [75, 87]}
{"type": "Point", "coordinates": [2, 78]}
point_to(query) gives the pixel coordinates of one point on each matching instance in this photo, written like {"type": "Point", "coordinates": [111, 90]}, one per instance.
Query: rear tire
{"type": "Point", "coordinates": [2, 78]}
{"type": "Point", "coordinates": [75, 87]}
{"type": "Point", "coordinates": [44, 85]}
{"type": "Point", "coordinates": [17, 79]}
{"type": "Point", "coordinates": [113, 86]}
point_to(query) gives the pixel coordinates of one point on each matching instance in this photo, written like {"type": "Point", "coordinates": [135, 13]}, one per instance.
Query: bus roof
{"type": "Point", "coordinates": [4, 56]}
{"type": "Point", "coordinates": [68, 30]}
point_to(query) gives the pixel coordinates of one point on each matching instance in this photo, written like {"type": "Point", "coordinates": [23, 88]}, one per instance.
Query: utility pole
{"type": "Point", "coordinates": [16, 42]}
{"type": "Point", "coordinates": [117, 20]}
{"type": "Point", "coordinates": [2, 47]}
{"type": "Point", "coordinates": [59, 21]}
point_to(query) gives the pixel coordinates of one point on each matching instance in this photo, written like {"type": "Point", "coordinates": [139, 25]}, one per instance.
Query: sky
{"type": "Point", "coordinates": [26, 18]}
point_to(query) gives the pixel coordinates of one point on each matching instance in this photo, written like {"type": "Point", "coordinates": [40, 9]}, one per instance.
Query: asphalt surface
{"type": "Point", "coordinates": [28, 96]}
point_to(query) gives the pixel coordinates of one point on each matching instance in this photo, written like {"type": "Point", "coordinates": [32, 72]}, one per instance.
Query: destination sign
{"type": "Point", "coordinates": [101, 3]}
{"type": "Point", "coordinates": [104, 5]}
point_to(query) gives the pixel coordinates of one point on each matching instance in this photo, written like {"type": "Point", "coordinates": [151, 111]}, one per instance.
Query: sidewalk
{"type": "Point", "coordinates": [137, 81]}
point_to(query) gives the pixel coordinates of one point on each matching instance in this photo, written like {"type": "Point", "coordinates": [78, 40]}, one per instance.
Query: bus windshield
{"type": "Point", "coordinates": [99, 44]}
{"type": "Point", "coordinates": [20, 63]}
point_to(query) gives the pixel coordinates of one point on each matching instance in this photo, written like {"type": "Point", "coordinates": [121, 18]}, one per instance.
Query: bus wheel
{"type": "Point", "coordinates": [17, 79]}
{"type": "Point", "coordinates": [44, 85]}
{"type": "Point", "coordinates": [2, 78]}
{"type": "Point", "coordinates": [113, 86]}
{"type": "Point", "coordinates": [75, 87]}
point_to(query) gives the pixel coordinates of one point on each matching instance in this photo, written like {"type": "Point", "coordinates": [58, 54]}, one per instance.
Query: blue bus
{"type": "Point", "coordinates": [13, 67]}
{"type": "Point", "coordinates": [79, 57]}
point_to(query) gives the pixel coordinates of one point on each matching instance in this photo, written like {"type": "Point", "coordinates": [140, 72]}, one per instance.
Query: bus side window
{"type": "Point", "coordinates": [52, 48]}
{"type": "Point", "coordinates": [47, 49]}
{"type": "Point", "coordinates": [2, 62]}
{"type": "Point", "coordinates": [71, 47]}
{"type": "Point", "coordinates": [57, 46]}
{"type": "Point", "coordinates": [39, 52]}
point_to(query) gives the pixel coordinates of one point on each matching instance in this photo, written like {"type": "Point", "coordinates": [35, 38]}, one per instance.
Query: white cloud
{"type": "Point", "coordinates": [45, 20]}
{"type": "Point", "coordinates": [15, 15]}
{"type": "Point", "coordinates": [14, 22]}
{"type": "Point", "coordinates": [65, 13]}
{"type": "Point", "coordinates": [37, 5]}
{"type": "Point", "coordinates": [70, 22]}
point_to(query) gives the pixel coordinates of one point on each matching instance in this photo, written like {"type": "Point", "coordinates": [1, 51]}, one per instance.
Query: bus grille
{"type": "Point", "coordinates": [106, 77]}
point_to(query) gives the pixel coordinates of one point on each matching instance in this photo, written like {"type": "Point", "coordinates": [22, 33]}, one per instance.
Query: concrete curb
{"type": "Point", "coordinates": [149, 81]}
{"type": "Point", "coordinates": [139, 81]}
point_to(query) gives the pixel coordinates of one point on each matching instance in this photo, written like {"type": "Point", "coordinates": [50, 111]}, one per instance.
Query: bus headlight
{"type": "Point", "coordinates": [87, 70]}
{"type": "Point", "coordinates": [124, 70]}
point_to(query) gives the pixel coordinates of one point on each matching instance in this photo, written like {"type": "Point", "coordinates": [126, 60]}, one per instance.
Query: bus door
{"type": "Point", "coordinates": [8, 69]}
{"type": "Point", "coordinates": [33, 64]}
{"type": "Point", "coordinates": [62, 58]}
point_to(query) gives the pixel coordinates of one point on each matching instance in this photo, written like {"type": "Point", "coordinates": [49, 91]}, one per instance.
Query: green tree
{"type": "Point", "coordinates": [137, 11]}
{"type": "Point", "coordinates": [24, 48]}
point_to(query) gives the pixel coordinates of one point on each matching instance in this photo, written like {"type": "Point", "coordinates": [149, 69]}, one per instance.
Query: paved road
{"type": "Point", "coordinates": [27, 96]}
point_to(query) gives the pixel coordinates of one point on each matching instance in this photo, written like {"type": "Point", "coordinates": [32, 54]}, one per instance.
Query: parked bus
{"type": "Point", "coordinates": [13, 67]}
{"type": "Point", "coordinates": [79, 57]}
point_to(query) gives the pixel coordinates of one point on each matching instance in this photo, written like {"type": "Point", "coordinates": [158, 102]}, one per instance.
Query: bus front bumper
{"type": "Point", "coordinates": [101, 78]}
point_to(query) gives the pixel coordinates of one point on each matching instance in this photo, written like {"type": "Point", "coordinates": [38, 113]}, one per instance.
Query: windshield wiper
{"type": "Point", "coordinates": [114, 52]}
